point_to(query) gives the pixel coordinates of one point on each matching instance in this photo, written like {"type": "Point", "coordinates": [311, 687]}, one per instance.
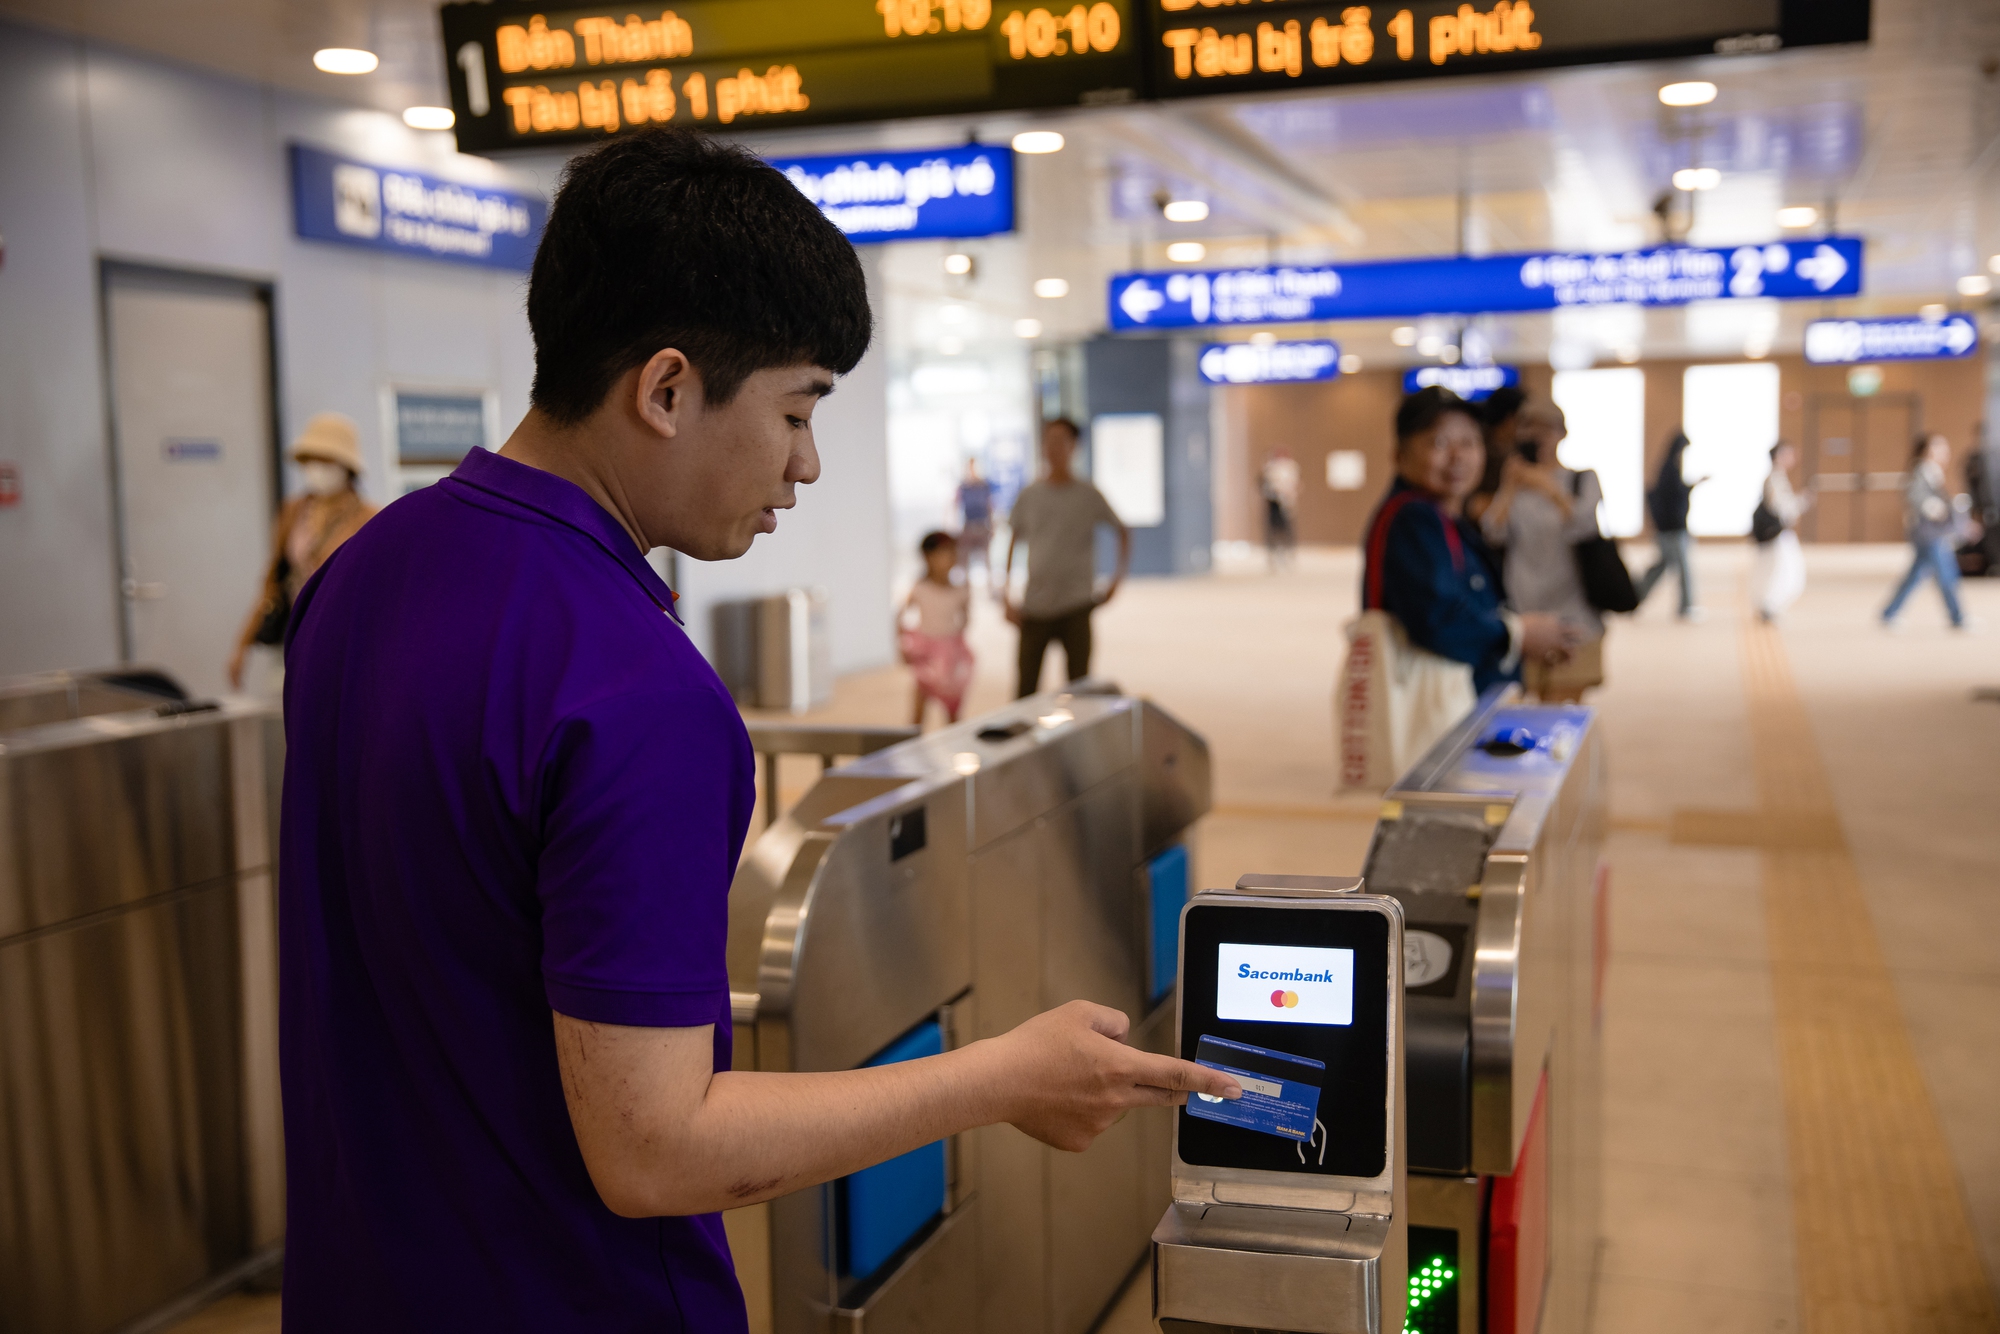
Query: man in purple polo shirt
{"type": "Point", "coordinates": [514, 799]}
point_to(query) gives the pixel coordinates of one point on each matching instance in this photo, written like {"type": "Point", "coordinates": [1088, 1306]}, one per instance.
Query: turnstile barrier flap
{"type": "Point", "coordinates": [1288, 1203]}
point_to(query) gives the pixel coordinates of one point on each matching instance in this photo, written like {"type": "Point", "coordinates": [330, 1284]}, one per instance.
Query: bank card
{"type": "Point", "coordinates": [1280, 1090]}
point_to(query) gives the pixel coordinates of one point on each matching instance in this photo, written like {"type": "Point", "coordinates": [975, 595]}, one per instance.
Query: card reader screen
{"type": "Point", "coordinates": [1284, 984]}
{"type": "Point", "coordinates": [1293, 1002]}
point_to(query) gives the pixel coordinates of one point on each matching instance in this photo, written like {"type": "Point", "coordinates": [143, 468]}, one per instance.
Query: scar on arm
{"type": "Point", "coordinates": [743, 1190]}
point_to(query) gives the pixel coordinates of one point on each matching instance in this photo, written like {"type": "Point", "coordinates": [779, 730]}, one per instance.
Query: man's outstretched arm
{"type": "Point", "coordinates": [663, 1133]}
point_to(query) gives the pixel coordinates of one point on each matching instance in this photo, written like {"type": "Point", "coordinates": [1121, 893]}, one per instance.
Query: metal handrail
{"type": "Point", "coordinates": [829, 741]}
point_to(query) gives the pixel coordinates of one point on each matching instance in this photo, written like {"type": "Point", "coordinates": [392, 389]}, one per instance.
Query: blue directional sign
{"type": "Point", "coordinates": [1378, 289]}
{"type": "Point", "coordinates": [407, 212]}
{"type": "Point", "coordinates": [940, 192]}
{"type": "Point", "coordinates": [1468, 382]}
{"type": "Point", "coordinates": [1268, 363]}
{"type": "Point", "coordinates": [1898, 338]}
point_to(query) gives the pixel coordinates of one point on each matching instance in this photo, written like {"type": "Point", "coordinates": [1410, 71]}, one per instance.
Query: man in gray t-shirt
{"type": "Point", "coordinates": [1057, 518]}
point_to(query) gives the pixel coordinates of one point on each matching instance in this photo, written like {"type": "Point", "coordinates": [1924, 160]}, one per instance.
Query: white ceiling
{"type": "Point", "coordinates": [1901, 138]}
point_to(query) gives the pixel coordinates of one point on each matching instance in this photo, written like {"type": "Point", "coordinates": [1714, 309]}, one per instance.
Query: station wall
{"type": "Point", "coordinates": [1354, 412]}
{"type": "Point", "coordinates": [110, 156]}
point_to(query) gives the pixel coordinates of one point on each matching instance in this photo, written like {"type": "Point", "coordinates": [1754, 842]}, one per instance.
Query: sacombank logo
{"type": "Point", "coordinates": [1284, 984]}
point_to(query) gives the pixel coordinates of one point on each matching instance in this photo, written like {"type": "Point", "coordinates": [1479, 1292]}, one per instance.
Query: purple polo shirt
{"type": "Point", "coordinates": [512, 785]}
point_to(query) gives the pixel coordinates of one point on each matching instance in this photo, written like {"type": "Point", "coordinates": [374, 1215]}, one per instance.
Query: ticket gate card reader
{"type": "Point", "coordinates": [1288, 1206]}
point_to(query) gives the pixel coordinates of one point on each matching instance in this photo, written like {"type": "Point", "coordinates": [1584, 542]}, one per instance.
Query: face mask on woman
{"type": "Point", "coordinates": [323, 478]}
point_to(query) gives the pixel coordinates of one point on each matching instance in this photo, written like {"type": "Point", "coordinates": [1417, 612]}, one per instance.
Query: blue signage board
{"type": "Point", "coordinates": [1898, 338]}
{"type": "Point", "coordinates": [939, 192]}
{"type": "Point", "coordinates": [409, 213]}
{"type": "Point", "coordinates": [1468, 382]}
{"type": "Point", "coordinates": [1382, 289]}
{"type": "Point", "coordinates": [1269, 363]}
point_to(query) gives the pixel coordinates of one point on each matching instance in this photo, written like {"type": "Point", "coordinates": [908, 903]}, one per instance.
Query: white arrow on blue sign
{"type": "Point", "coordinates": [1384, 289]}
{"type": "Point", "coordinates": [1908, 338]}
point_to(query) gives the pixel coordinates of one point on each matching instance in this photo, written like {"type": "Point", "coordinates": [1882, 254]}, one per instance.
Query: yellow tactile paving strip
{"type": "Point", "coordinates": [1884, 1241]}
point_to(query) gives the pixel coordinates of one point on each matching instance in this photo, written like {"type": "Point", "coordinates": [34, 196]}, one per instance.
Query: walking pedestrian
{"type": "Point", "coordinates": [1539, 514]}
{"type": "Point", "coordinates": [309, 529]}
{"type": "Point", "coordinates": [1933, 527]}
{"type": "Point", "coordinates": [1668, 503]}
{"type": "Point", "coordinates": [935, 646]}
{"type": "Point", "coordinates": [1778, 574]}
{"type": "Point", "coordinates": [1058, 517]}
{"type": "Point", "coordinates": [975, 512]}
{"type": "Point", "coordinates": [1278, 483]}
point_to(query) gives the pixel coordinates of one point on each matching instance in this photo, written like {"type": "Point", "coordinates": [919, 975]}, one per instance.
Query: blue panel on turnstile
{"type": "Point", "coordinates": [1527, 741]}
{"type": "Point", "coordinates": [883, 1206]}
{"type": "Point", "coordinates": [1167, 880]}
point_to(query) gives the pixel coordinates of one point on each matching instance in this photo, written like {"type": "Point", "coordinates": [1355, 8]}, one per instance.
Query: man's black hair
{"type": "Point", "coordinates": [1420, 411]}
{"type": "Point", "coordinates": [935, 539]}
{"type": "Point", "coordinates": [1501, 404]}
{"type": "Point", "coordinates": [668, 238]}
{"type": "Point", "coordinates": [1075, 431]}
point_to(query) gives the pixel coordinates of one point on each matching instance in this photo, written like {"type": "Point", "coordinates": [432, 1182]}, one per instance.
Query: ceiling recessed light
{"type": "Point", "coordinates": [1038, 141]}
{"type": "Point", "coordinates": [1974, 284]}
{"type": "Point", "coordinates": [1802, 215]}
{"type": "Point", "coordinates": [1187, 252]}
{"type": "Point", "coordinates": [1350, 364]}
{"type": "Point", "coordinates": [958, 264]}
{"type": "Point", "coordinates": [1429, 345]}
{"type": "Point", "coordinates": [1403, 335]}
{"type": "Point", "coordinates": [1993, 264]}
{"type": "Point", "coordinates": [1697, 178]}
{"type": "Point", "coordinates": [1449, 355]}
{"type": "Point", "coordinates": [1264, 337]}
{"type": "Point", "coordinates": [345, 60]}
{"type": "Point", "coordinates": [429, 118]}
{"type": "Point", "coordinates": [1694, 93]}
{"type": "Point", "coordinates": [1186, 210]}
{"type": "Point", "coordinates": [1628, 354]}
{"type": "Point", "coordinates": [1933, 311]}
{"type": "Point", "coordinates": [1051, 287]}
{"type": "Point", "coordinates": [1027, 328]}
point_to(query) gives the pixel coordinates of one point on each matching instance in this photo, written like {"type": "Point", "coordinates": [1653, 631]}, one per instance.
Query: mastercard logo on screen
{"type": "Point", "coordinates": [1313, 986]}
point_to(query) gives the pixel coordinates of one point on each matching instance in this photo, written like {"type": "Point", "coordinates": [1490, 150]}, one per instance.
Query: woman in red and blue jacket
{"type": "Point", "coordinates": [1427, 566]}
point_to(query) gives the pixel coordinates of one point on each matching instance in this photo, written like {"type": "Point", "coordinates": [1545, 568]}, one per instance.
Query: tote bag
{"type": "Point", "coordinates": [1391, 702]}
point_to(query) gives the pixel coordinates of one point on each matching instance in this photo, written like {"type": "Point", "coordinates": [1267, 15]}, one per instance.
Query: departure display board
{"type": "Point", "coordinates": [1203, 47]}
{"type": "Point", "coordinates": [527, 76]}
{"type": "Point", "coordinates": [524, 75]}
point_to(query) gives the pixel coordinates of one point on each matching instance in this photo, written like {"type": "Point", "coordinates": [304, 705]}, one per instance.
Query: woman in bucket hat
{"type": "Point", "coordinates": [309, 528]}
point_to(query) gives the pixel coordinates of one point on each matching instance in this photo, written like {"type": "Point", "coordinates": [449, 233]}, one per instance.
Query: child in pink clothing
{"type": "Point", "coordinates": [935, 648]}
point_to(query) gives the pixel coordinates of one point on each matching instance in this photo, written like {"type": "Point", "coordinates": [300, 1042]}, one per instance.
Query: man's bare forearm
{"type": "Point", "coordinates": [662, 1133]}
{"type": "Point", "coordinates": [660, 1144]}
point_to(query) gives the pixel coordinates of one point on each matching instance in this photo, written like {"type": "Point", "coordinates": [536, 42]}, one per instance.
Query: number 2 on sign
{"type": "Point", "coordinates": [1037, 33]}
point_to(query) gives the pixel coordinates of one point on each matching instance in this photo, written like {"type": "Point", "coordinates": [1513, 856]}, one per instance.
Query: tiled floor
{"type": "Point", "coordinates": [1698, 1190]}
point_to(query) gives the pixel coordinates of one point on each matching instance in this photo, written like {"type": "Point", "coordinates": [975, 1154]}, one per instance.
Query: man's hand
{"type": "Point", "coordinates": [236, 668]}
{"type": "Point", "coordinates": [1011, 610]}
{"type": "Point", "coordinates": [1074, 1077]}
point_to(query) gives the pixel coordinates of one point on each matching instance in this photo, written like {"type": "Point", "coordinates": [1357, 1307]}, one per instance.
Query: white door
{"type": "Point", "coordinates": [191, 418]}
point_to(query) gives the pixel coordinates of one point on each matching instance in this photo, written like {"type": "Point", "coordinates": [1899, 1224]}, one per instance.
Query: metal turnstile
{"type": "Point", "coordinates": [930, 894]}
{"type": "Point", "coordinates": [141, 1153]}
{"type": "Point", "coordinates": [1493, 843]}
